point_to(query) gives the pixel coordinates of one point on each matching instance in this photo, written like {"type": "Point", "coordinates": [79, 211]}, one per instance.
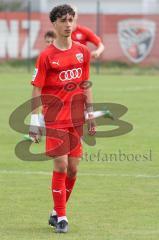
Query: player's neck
{"type": "Point", "coordinates": [63, 43]}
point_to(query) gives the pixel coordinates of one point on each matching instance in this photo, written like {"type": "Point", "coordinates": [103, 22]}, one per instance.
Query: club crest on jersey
{"type": "Point", "coordinates": [79, 57]}
{"type": "Point", "coordinates": [79, 36]}
{"type": "Point", "coordinates": [34, 74]}
{"type": "Point", "coordinates": [136, 37]}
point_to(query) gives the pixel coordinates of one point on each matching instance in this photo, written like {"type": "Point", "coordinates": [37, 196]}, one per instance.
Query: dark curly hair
{"type": "Point", "coordinates": [60, 11]}
{"type": "Point", "coordinates": [49, 34]}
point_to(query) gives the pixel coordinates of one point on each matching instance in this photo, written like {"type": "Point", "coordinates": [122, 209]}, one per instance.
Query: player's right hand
{"type": "Point", "coordinates": [34, 129]}
{"type": "Point", "coordinates": [91, 124]}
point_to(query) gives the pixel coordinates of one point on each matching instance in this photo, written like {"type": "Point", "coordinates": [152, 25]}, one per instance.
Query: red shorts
{"type": "Point", "coordinates": [64, 141]}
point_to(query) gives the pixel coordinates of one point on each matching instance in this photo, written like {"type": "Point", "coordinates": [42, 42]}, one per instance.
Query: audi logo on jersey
{"type": "Point", "coordinates": [70, 74]}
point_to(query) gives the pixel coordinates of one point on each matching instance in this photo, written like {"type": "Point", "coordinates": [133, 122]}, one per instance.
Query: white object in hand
{"type": "Point", "coordinates": [41, 120]}
{"type": "Point", "coordinates": [34, 124]}
{"type": "Point", "coordinates": [94, 114]}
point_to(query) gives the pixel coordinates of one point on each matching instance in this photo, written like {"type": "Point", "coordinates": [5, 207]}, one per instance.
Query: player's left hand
{"type": "Point", "coordinates": [91, 124]}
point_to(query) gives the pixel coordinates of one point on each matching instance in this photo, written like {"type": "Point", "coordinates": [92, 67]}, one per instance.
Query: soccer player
{"type": "Point", "coordinates": [49, 38]}
{"type": "Point", "coordinates": [62, 74]}
{"type": "Point", "coordinates": [84, 35]}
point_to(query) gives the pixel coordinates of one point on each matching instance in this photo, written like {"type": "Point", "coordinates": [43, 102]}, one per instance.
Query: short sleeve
{"type": "Point", "coordinates": [92, 37]}
{"type": "Point", "coordinates": [40, 71]}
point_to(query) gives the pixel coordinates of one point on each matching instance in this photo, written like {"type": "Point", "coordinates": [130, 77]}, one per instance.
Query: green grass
{"type": "Point", "coordinates": [112, 200]}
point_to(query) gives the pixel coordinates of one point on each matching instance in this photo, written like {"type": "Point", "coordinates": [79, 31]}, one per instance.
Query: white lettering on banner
{"type": "Point", "coordinates": [34, 27]}
{"type": "Point", "coordinates": [70, 74]}
{"type": "Point", "coordinates": [9, 41]}
{"type": "Point", "coordinates": [10, 38]}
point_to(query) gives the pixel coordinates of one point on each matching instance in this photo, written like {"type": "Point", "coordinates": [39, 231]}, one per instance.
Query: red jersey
{"type": "Point", "coordinates": [62, 75]}
{"type": "Point", "coordinates": [84, 35]}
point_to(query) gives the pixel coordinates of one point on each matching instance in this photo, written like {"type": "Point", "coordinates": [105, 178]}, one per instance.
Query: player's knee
{"type": "Point", "coordinates": [72, 172]}
{"type": "Point", "coordinates": [60, 166]}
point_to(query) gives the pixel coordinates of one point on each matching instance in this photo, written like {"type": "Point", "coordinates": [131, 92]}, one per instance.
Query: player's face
{"type": "Point", "coordinates": [49, 41]}
{"type": "Point", "coordinates": [64, 25]}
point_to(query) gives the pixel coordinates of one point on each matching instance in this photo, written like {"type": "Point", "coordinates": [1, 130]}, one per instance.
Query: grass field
{"type": "Point", "coordinates": [112, 200]}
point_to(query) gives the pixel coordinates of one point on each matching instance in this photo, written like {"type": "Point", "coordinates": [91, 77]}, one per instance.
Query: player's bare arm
{"type": "Point", "coordinates": [96, 53]}
{"type": "Point", "coordinates": [34, 130]}
{"type": "Point", "coordinates": [89, 108]}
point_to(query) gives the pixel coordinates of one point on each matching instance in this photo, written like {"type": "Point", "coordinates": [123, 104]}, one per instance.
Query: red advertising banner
{"type": "Point", "coordinates": [127, 38]}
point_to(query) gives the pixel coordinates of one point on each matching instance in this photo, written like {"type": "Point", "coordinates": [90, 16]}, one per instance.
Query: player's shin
{"type": "Point", "coordinates": [70, 182]}
{"type": "Point", "coordinates": [72, 170]}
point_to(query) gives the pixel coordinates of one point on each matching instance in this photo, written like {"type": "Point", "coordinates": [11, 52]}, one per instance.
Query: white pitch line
{"type": "Point", "coordinates": [80, 174]}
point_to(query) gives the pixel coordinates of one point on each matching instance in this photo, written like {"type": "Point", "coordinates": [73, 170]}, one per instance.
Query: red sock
{"type": "Point", "coordinates": [69, 186]}
{"type": "Point", "coordinates": [59, 193]}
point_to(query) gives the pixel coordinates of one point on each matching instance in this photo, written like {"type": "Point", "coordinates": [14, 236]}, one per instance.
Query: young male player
{"type": "Point", "coordinates": [62, 70]}
{"type": "Point", "coordinates": [84, 35]}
